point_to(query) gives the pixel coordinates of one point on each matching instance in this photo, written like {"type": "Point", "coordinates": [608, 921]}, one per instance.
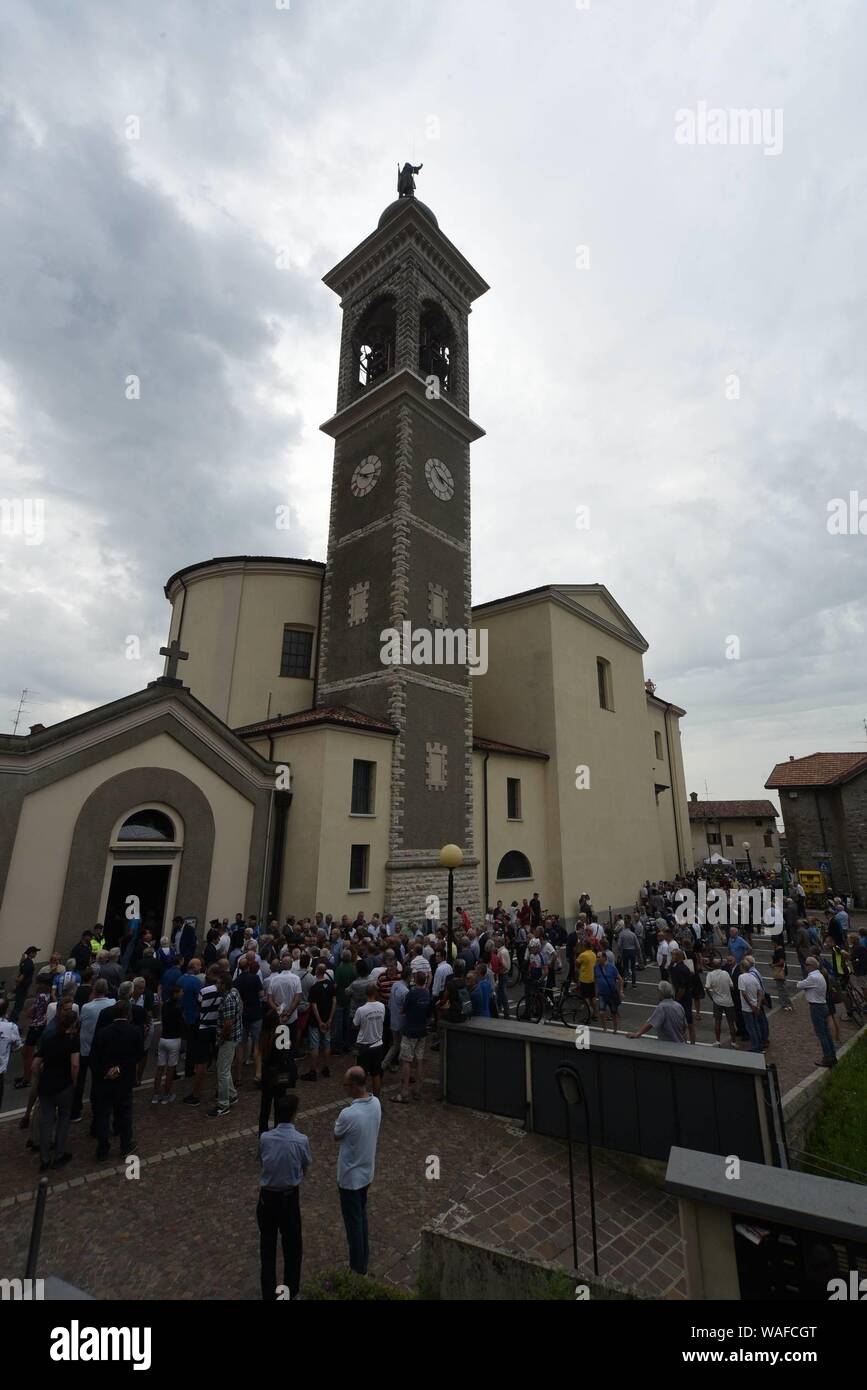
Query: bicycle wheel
{"type": "Point", "coordinates": [521, 1009]}
{"type": "Point", "coordinates": [514, 974]}
{"type": "Point", "coordinates": [537, 1006]}
{"type": "Point", "coordinates": [571, 1009]}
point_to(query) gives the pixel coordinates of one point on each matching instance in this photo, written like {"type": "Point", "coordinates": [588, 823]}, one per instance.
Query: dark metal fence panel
{"type": "Point", "coordinates": [643, 1096]}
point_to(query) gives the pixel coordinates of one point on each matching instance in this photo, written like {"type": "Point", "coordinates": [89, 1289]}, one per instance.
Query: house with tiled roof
{"type": "Point", "coordinates": [823, 798]}
{"type": "Point", "coordinates": [743, 831]}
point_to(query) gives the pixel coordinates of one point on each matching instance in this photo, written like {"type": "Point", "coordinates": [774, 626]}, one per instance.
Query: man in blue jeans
{"type": "Point", "coordinates": [815, 987]}
{"type": "Point", "coordinates": [752, 994]}
{"type": "Point", "coordinates": [356, 1131]}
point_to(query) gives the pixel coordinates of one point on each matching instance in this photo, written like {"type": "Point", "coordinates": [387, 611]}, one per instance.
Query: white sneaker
{"type": "Point", "coordinates": [157, 1100]}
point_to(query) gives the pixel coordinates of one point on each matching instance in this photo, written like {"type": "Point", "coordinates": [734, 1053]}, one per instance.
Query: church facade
{"type": "Point", "coordinates": [285, 763]}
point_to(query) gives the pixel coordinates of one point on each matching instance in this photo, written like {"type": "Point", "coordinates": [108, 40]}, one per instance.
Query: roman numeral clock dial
{"type": "Point", "coordinates": [366, 476]}
{"type": "Point", "coordinates": [439, 479]}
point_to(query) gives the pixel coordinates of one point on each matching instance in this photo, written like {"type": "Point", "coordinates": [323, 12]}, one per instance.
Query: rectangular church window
{"type": "Point", "coordinates": [297, 653]}
{"type": "Point", "coordinates": [513, 797]}
{"type": "Point", "coordinates": [657, 739]}
{"type": "Point", "coordinates": [603, 678]}
{"type": "Point", "coordinates": [358, 867]}
{"type": "Point", "coordinates": [363, 784]}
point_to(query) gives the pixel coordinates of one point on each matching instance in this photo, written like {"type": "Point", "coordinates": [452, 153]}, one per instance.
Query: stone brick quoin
{"type": "Point", "coordinates": [408, 887]}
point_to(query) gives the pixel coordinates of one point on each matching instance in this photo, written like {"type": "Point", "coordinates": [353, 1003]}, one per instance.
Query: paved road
{"type": "Point", "coordinates": [639, 1002]}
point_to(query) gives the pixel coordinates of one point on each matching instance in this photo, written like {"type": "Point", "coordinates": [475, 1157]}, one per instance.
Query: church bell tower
{"type": "Point", "coordinates": [399, 536]}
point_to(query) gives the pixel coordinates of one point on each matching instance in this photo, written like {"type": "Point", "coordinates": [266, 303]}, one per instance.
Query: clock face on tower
{"type": "Point", "coordinates": [439, 479]}
{"type": "Point", "coordinates": [366, 476]}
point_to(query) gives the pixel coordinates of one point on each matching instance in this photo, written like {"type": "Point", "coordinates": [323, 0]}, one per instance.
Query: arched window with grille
{"type": "Point", "coordinates": [514, 865]}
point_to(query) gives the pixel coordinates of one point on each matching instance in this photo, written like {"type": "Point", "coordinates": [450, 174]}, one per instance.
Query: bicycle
{"type": "Point", "coordinates": [565, 1007]}
{"type": "Point", "coordinates": [854, 1003]}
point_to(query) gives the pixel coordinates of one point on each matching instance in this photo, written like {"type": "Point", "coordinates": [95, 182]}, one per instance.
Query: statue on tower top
{"type": "Point", "coordinates": [405, 180]}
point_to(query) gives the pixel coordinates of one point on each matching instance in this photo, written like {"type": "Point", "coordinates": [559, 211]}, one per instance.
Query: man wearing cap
{"type": "Point", "coordinates": [81, 952]}
{"type": "Point", "coordinates": [23, 981]}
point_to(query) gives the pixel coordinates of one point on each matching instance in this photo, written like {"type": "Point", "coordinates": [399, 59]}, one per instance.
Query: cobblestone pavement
{"type": "Point", "coordinates": [186, 1227]}
{"type": "Point", "coordinates": [522, 1206]}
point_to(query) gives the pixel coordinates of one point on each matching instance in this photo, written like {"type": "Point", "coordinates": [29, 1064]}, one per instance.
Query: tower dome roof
{"type": "Point", "coordinates": [394, 208]}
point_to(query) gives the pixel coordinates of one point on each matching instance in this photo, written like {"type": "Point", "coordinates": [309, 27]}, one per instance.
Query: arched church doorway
{"type": "Point", "coordinates": [142, 869]}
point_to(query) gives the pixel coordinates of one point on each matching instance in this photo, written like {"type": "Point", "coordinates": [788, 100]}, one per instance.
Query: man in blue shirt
{"type": "Point", "coordinates": [737, 945]}
{"type": "Point", "coordinates": [285, 1155]}
{"type": "Point", "coordinates": [356, 1131]}
{"type": "Point", "coordinates": [415, 1012]}
{"type": "Point", "coordinates": [480, 994]}
{"type": "Point", "coordinates": [191, 988]}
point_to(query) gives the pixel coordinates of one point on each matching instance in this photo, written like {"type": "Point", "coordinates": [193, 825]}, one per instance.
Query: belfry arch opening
{"type": "Point", "coordinates": [374, 342]}
{"type": "Point", "coordinates": [435, 346]}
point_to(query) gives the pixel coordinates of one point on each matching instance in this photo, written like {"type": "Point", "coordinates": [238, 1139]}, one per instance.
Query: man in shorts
{"type": "Point", "coordinates": [168, 1048]}
{"type": "Point", "coordinates": [369, 1019]}
{"type": "Point", "coordinates": [586, 963]}
{"type": "Point", "coordinates": [416, 1007]}
{"type": "Point", "coordinates": [323, 1002]}
{"type": "Point", "coordinates": [608, 984]}
{"type": "Point", "coordinates": [718, 984]}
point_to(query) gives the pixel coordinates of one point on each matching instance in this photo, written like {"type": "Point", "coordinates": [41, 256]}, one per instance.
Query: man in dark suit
{"type": "Point", "coordinates": [114, 1056]}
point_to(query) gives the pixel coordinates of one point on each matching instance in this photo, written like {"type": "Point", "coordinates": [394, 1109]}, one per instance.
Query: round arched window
{"type": "Point", "coordinates": [514, 865]}
{"type": "Point", "coordinates": [148, 825]}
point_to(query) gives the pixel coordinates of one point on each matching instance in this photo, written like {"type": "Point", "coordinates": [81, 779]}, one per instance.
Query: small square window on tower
{"type": "Point", "coordinates": [438, 605]}
{"type": "Point", "coordinates": [358, 603]}
{"type": "Point", "coordinates": [435, 766]}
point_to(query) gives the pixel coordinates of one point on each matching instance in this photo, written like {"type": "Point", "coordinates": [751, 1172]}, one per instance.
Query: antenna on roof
{"type": "Point", "coordinates": [21, 704]}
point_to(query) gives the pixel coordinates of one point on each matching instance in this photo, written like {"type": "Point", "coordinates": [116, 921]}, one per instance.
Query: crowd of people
{"type": "Point", "coordinates": [270, 1006]}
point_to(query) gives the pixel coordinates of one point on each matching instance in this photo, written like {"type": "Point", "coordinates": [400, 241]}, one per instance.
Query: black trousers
{"type": "Point", "coordinates": [112, 1103]}
{"type": "Point", "coordinates": [78, 1098]}
{"type": "Point", "coordinates": [279, 1213]}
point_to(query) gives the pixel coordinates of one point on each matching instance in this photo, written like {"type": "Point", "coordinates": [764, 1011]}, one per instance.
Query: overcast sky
{"type": "Point", "coordinates": [694, 377]}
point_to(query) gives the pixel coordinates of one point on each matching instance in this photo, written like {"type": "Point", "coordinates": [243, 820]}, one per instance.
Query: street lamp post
{"type": "Point", "coordinates": [749, 860]}
{"type": "Point", "coordinates": [451, 858]}
{"type": "Point", "coordinates": [572, 1092]}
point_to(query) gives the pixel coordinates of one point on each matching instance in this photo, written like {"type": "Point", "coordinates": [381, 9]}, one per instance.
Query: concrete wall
{"type": "Point", "coordinates": [321, 829]}
{"type": "Point", "coordinates": [230, 617]}
{"type": "Point", "coordinates": [529, 834]}
{"type": "Point", "coordinates": [456, 1269]}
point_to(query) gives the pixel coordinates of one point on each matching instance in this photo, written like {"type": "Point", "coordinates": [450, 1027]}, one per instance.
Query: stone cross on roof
{"type": "Point", "coordinates": [173, 655]}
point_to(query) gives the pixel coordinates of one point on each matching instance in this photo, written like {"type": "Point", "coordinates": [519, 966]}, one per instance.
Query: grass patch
{"type": "Point", "coordinates": [839, 1134]}
{"type": "Point", "coordinates": [342, 1285]}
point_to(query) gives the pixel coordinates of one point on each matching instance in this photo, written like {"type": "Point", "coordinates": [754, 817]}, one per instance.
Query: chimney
{"type": "Point", "coordinates": [791, 757]}
{"type": "Point", "coordinates": [693, 796]}
{"type": "Point", "coordinates": [36, 728]}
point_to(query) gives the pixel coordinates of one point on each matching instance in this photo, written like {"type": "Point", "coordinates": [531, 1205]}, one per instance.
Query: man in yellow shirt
{"type": "Point", "coordinates": [586, 963]}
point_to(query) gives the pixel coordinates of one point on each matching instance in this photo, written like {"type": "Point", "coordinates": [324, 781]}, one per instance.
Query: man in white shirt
{"type": "Point", "coordinates": [356, 1131]}
{"type": "Point", "coordinates": [369, 1019]}
{"type": "Point", "coordinates": [718, 984]}
{"type": "Point", "coordinates": [10, 1041]}
{"type": "Point", "coordinates": [441, 975]}
{"type": "Point", "coordinates": [752, 993]}
{"type": "Point", "coordinates": [815, 988]}
{"type": "Point", "coordinates": [283, 988]}
{"type": "Point", "coordinates": [663, 954]}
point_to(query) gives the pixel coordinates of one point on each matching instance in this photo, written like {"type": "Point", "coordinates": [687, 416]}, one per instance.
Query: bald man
{"type": "Point", "coordinates": [356, 1131]}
